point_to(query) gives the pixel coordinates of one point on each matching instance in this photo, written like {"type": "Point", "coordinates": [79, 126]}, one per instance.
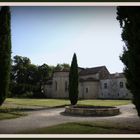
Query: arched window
{"type": "Point", "coordinates": [86, 90]}
{"type": "Point", "coordinates": [66, 86]}
{"type": "Point", "coordinates": [55, 85]}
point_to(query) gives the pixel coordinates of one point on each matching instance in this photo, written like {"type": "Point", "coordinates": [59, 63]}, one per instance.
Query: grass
{"type": "Point", "coordinates": [102, 127]}
{"type": "Point", "coordinates": [37, 102]}
{"type": "Point", "coordinates": [7, 112]}
{"type": "Point", "coordinates": [4, 116]}
{"type": "Point", "coordinates": [13, 107]}
{"type": "Point", "coordinates": [10, 113]}
{"type": "Point", "coordinates": [104, 102]}
{"type": "Point", "coordinates": [61, 102]}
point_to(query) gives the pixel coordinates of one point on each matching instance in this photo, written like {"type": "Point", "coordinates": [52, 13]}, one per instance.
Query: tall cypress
{"type": "Point", "coordinates": [5, 51]}
{"type": "Point", "coordinates": [129, 18]}
{"type": "Point", "coordinates": [73, 81]}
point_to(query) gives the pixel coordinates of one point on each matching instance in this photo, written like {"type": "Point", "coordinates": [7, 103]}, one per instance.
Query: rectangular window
{"type": "Point", "coordinates": [105, 85]}
{"type": "Point", "coordinates": [86, 90]}
{"type": "Point", "coordinates": [66, 86]}
{"type": "Point", "coordinates": [121, 84]}
{"type": "Point", "coordinates": [55, 85]}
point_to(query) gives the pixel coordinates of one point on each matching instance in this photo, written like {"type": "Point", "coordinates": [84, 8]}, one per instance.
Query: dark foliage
{"type": "Point", "coordinates": [129, 18]}
{"type": "Point", "coordinates": [5, 51]}
{"type": "Point", "coordinates": [73, 81]}
{"type": "Point", "coordinates": [63, 66]}
{"type": "Point", "coordinates": [27, 78]}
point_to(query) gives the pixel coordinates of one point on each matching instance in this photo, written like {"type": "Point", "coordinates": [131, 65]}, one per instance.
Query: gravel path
{"type": "Point", "coordinates": [49, 117]}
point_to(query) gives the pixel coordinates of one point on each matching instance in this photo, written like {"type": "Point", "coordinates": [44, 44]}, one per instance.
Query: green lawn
{"type": "Point", "coordinates": [4, 116]}
{"type": "Point", "coordinates": [59, 102]}
{"type": "Point", "coordinates": [13, 107]}
{"type": "Point", "coordinates": [10, 113]}
{"type": "Point", "coordinates": [37, 102]}
{"type": "Point", "coordinates": [104, 102]}
{"type": "Point", "coordinates": [101, 127]}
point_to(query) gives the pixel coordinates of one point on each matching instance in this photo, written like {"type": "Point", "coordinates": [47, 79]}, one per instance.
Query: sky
{"type": "Point", "coordinates": [52, 35]}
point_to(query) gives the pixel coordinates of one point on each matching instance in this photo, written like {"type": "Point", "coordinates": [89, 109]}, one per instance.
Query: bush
{"type": "Point", "coordinates": [24, 95]}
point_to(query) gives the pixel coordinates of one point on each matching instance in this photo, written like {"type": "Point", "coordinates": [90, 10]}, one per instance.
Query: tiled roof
{"type": "Point", "coordinates": [88, 79]}
{"type": "Point", "coordinates": [117, 75]}
{"type": "Point", "coordinates": [62, 70]}
{"type": "Point", "coordinates": [93, 70]}
{"type": "Point", "coordinates": [67, 69]}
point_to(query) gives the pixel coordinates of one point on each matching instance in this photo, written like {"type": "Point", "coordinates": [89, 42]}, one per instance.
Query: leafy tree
{"type": "Point", "coordinates": [62, 66]}
{"type": "Point", "coordinates": [65, 66]}
{"type": "Point", "coordinates": [24, 76]}
{"type": "Point", "coordinates": [20, 68]}
{"type": "Point", "coordinates": [5, 51]}
{"type": "Point", "coordinates": [20, 74]}
{"type": "Point", "coordinates": [129, 19]}
{"type": "Point", "coordinates": [58, 67]}
{"type": "Point", "coordinates": [73, 81]}
{"type": "Point", "coordinates": [44, 72]}
{"type": "Point", "coordinates": [27, 77]}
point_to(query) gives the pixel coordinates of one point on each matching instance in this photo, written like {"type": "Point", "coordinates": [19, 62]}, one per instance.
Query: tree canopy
{"type": "Point", "coordinates": [5, 51]}
{"type": "Point", "coordinates": [129, 19]}
{"type": "Point", "coordinates": [27, 78]}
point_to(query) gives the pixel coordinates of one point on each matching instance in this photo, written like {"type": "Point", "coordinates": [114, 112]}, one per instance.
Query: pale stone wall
{"type": "Point", "coordinates": [114, 90]}
{"type": "Point", "coordinates": [123, 92]}
{"type": "Point", "coordinates": [89, 90]}
{"type": "Point", "coordinates": [60, 80]}
{"type": "Point", "coordinates": [81, 90]}
{"type": "Point", "coordinates": [95, 76]}
{"type": "Point", "coordinates": [104, 92]}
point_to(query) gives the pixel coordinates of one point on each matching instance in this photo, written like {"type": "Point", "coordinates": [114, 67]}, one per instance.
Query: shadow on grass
{"type": "Point", "coordinates": [83, 116]}
{"type": "Point", "coordinates": [24, 109]}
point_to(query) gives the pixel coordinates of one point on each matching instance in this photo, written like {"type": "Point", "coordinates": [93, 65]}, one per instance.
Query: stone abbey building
{"type": "Point", "coordinates": [94, 83]}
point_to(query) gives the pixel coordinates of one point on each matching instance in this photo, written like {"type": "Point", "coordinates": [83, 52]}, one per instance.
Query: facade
{"type": "Point", "coordinates": [94, 83]}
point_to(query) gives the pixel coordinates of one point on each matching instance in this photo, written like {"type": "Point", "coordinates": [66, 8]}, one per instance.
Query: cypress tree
{"type": "Point", "coordinates": [129, 18]}
{"type": "Point", "coordinates": [5, 52]}
{"type": "Point", "coordinates": [73, 81]}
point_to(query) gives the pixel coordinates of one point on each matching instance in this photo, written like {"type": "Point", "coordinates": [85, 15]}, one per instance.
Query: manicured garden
{"type": "Point", "coordinates": [61, 102]}
{"type": "Point", "coordinates": [13, 107]}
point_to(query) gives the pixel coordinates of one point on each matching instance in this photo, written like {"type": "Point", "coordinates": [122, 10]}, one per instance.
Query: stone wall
{"type": "Point", "coordinates": [60, 85]}
{"type": "Point", "coordinates": [95, 76]}
{"type": "Point", "coordinates": [114, 89]}
{"type": "Point", "coordinates": [89, 90]}
{"type": "Point", "coordinates": [91, 86]}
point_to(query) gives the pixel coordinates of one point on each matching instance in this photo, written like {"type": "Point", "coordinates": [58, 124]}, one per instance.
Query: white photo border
{"type": "Point", "coordinates": [69, 4]}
